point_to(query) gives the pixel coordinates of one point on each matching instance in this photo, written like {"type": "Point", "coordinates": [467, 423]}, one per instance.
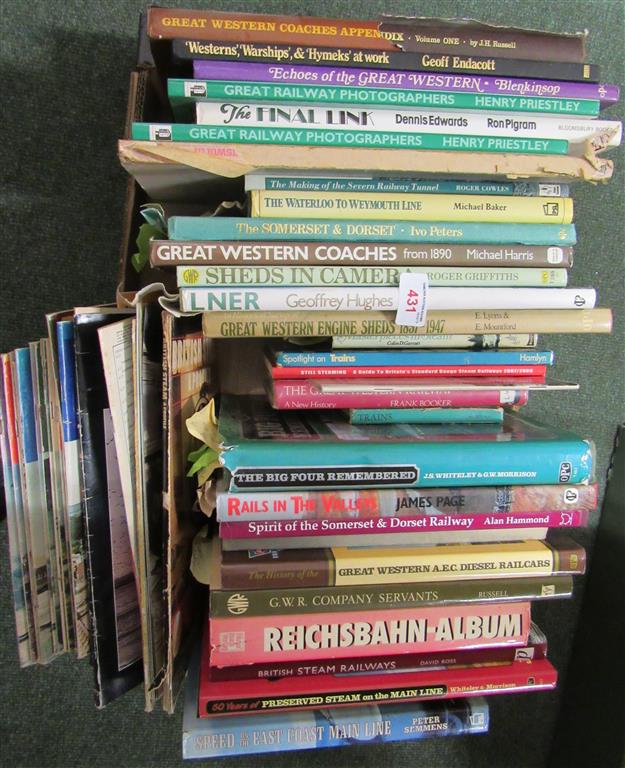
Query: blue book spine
{"type": "Point", "coordinates": [35, 509]}
{"type": "Point", "coordinates": [65, 339]}
{"type": "Point", "coordinates": [339, 727]}
{"type": "Point", "coordinates": [237, 228]}
{"type": "Point", "coordinates": [27, 407]}
{"type": "Point", "coordinates": [72, 473]}
{"type": "Point", "coordinates": [407, 357]}
{"type": "Point", "coordinates": [256, 465]}
{"type": "Point", "coordinates": [421, 186]}
{"type": "Point", "coordinates": [426, 415]}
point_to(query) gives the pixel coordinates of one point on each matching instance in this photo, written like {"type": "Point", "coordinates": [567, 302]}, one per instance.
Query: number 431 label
{"type": "Point", "coordinates": [413, 299]}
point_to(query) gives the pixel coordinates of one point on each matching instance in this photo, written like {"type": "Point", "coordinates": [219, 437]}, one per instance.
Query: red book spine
{"type": "Point", "coordinates": [536, 372]}
{"type": "Point", "coordinates": [288, 394]}
{"type": "Point", "coordinates": [226, 697]}
{"type": "Point", "coordinates": [274, 529]}
{"type": "Point", "coordinates": [384, 663]}
{"type": "Point", "coordinates": [259, 639]}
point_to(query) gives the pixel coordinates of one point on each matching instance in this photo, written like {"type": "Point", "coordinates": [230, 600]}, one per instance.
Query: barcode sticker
{"type": "Point", "coordinates": [413, 296]}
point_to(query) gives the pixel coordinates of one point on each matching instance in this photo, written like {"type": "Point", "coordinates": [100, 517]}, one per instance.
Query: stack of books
{"type": "Point", "coordinates": [354, 232]}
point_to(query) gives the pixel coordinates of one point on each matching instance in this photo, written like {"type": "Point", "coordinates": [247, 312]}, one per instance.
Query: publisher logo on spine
{"type": "Point", "coordinates": [237, 604]}
{"type": "Point", "coordinates": [160, 133]}
{"type": "Point", "coordinates": [197, 90]}
{"type": "Point", "coordinates": [190, 276]}
{"type": "Point", "coordinates": [566, 469]}
{"type": "Point", "coordinates": [571, 495]}
{"type": "Point", "coordinates": [551, 209]}
{"type": "Point", "coordinates": [550, 190]}
{"type": "Point", "coordinates": [555, 255]}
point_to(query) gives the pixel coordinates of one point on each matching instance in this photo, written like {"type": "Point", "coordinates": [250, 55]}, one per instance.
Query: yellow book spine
{"type": "Point", "coordinates": [445, 563]}
{"type": "Point", "coordinates": [387, 206]}
{"type": "Point", "coordinates": [232, 325]}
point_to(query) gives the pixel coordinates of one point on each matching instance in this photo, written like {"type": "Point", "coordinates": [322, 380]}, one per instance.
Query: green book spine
{"type": "Point", "coordinates": [226, 603]}
{"type": "Point", "coordinates": [216, 228]}
{"type": "Point", "coordinates": [225, 134]}
{"type": "Point", "coordinates": [184, 93]}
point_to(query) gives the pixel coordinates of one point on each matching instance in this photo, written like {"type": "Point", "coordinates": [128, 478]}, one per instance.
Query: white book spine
{"type": "Point", "coordinates": [347, 299]}
{"type": "Point", "coordinates": [526, 126]}
{"type": "Point", "coordinates": [367, 276]}
{"type": "Point", "coordinates": [436, 341]}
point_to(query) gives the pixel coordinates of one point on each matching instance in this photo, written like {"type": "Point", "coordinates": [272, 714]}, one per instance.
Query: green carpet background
{"type": "Point", "coordinates": [64, 77]}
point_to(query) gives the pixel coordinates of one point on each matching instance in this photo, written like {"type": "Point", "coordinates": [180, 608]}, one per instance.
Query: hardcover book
{"type": "Point", "coordinates": [350, 566]}
{"type": "Point", "coordinates": [217, 698]}
{"type": "Point", "coordinates": [535, 648]}
{"type": "Point", "coordinates": [183, 95]}
{"type": "Point", "coordinates": [228, 603]}
{"type": "Point", "coordinates": [294, 637]}
{"type": "Point", "coordinates": [371, 723]}
{"type": "Point", "coordinates": [264, 449]}
{"type": "Point", "coordinates": [362, 504]}
{"type": "Point", "coordinates": [200, 51]}
{"type": "Point", "coordinates": [406, 78]}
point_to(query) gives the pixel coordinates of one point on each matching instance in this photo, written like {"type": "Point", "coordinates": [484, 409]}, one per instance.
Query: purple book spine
{"type": "Point", "coordinates": [427, 81]}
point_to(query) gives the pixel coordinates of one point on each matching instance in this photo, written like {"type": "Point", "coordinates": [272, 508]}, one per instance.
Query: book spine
{"type": "Point", "coordinates": [71, 454]}
{"type": "Point", "coordinates": [386, 34]}
{"type": "Point", "coordinates": [18, 559]}
{"type": "Point", "coordinates": [172, 23]}
{"type": "Point", "coordinates": [228, 325]}
{"type": "Point", "coordinates": [302, 637]}
{"type": "Point", "coordinates": [35, 510]}
{"type": "Point", "coordinates": [385, 503]}
{"type": "Point", "coordinates": [517, 677]}
{"type": "Point", "coordinates": [266, 733]}
{"type": "Point", "coordinates": [136, 155]}
{"type": "Point", "coordinates": [342, 566]}
{"type": "Point", "coordinates": [321, 137]}
{"type": "Point", "coordinates": [382, 526]}
{"type": "Point", "coordinates": [408, 465]}
{"type": "Point", "coordinates": [240, 229]}
{"type": "Point", "coordinates": [347, 183]}
{"type": "Point", "coordinates": [569, 559]}
{"type": "Point", "coordinates": [526, 371]}
{"type": "Point", "coordinates": [426, 416]}
{"type": "Point", "coordinates": [39, 373]}
{"type": "Point", "coordinates": [409, 207]}
{"type": "Point", "coordinates": [289, 358]}
{"type": "Point", "coordinates": [268, 602]}
{"type": "Point", "coordinates": [389, 662]}
{"type": "Point", "coordinates": [260, 115]}
{"type": "Point", "coordinates": [198, 51]}
{"type": "Point", "coordinates": [183, 94]}
{"type": "Point", "coordinates": [288, 395]}
{"type": "Point", "coordinates": [58, 488]}
{"type": "Point", "coordinates": [457, 341]}
{"type": "Point", "coordinates": [345, 299]}
{"type": "Point", "coordinates": [166, 253]}
{"type": "Point", "coordinates": [406, 78]}
{"type": "Point", "coordinates": [381, 276]}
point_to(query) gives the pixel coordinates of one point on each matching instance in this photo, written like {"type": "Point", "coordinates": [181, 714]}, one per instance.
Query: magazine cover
{"type": "Point", "coordinates": [188, 382]}
{"type": "Point", "coordinates": [116, 666]}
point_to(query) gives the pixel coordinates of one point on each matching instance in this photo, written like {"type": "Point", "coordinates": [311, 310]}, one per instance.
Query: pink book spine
{"type": "Point", "coordinates": [270, 529]}
{"type": "Point", "coordinates": [532, 371]}
{"type": "Point", "coordinates": [289, 394]}
{"type": "Point", "coordinates": [260, 639]}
